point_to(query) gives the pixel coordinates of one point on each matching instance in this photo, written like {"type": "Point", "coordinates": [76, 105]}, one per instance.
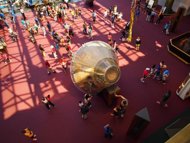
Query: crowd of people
{"type": "Point", "coordinates": [159, 72]}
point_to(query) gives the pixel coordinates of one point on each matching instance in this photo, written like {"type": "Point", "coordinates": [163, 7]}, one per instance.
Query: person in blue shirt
{"type": "Point", "coordinates": [165, 75]}
{"type": "Point", "coordinates": [108, 133]}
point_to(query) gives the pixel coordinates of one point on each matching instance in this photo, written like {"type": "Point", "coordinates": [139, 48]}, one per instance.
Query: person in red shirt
{"type": "Point", "coordinates": [49, 68]}
{"type": "Point", "coordinates": [145, 74]}
{"type": "Point", "coordinates": [63, 63]}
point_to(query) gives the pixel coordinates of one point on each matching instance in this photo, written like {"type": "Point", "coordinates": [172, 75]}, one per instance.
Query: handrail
{"type": "Point", "coordinates": [171, 42]}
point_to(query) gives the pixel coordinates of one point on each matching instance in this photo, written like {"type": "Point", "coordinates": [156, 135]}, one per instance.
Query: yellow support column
{"type": "Point", "coordinates": [130, 35]}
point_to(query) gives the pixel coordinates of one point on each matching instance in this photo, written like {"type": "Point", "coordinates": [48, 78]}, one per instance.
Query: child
{"type": "Point", "coordinates": [145, 74]}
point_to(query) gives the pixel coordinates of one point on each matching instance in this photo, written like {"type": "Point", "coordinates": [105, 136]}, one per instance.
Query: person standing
{"type": "Point", "coordinates": [54, 53]}
{"type": "Point", "coordinates": [110, 41]}
{"type": "Point", "coordinates": [94, 16]}
{"type": "Point", "coordinates": [165, 75]}
{"type": "Point", "coordinates": [108, 133]}
{"type": "Point", "coordinates": [83, 109]}
{"type": "Point", "coordinates": [160, 17]}
{"type": "Point", "coordinates": [22, 13]}
{"type": "Point", "coordinates": [166, 28]}
{"type": "Point", "coordinates": [87, 100]}
{"type": "Point", "coordinates": [90, 31]}
{"type": "Point", "coordinates": [115, 46]}
{"type": "Point", "coordinates": [73, 14]}
{"type": "Point", "coordinates": [152, 70]}
{"type": "Point", "coordinates": [137, 13]}
{"type": "Point", "coordinates": [63, 64]}
{"type": "Point", "coordinates": [49, 26]}
{"type": "Point", "coordinates": [49, 68]}
{"type": "Point", "coordinates": [37, 21]}
{"type": "Point", "coordinates": [13, 15]}
{"type": "Point", "coordinates": [152, 16]}
{"type": "Point", "coordinates": [145, 74]}
{"type": "Point", "coordinates": [47, 102]}
{"type": "Point", "coordinates": [57, 46]}
{"type": "Point", "coordinates": [113, 20]}
{"type": "Point", "coordinates": [43, 30]}
{"type": "Point", "coordinates": [164, 99]}
{"type": "Point", "coordinates": [121, 101]}
{"type": "Point", "coordinates": [42, 51]}
{"type": "Point", "coordinates": [105, 13]}
{"type": "Point", "coordinates": [84, 28]}
{"type": "Point", "coordinates": [138, 43]}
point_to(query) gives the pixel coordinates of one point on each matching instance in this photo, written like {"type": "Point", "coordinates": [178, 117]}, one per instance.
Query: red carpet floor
{"type": "Point", "coordinates": [24, 81]}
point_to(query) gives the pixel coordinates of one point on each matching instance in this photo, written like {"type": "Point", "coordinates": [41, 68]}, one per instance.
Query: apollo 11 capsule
{"type": "Point", "coordinates": [94, 67]}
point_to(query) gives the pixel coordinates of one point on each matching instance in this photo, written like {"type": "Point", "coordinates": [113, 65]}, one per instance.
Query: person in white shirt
{"type": "Point", "coordinates": [22, 12]}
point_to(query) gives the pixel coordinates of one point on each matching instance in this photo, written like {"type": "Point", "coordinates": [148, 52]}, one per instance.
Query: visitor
{"type": "Point", "coordinates": [164, 99]}
{"type": "Point", "coordinates": [138, 43]}
{"type": "Point", "coordinates": [145, 74]}
{"type": "Point", "coordinates": [83, 109]}
{"type": "Point", "coordinates": [49, 68]}
{"type": "Point", "coordinates": [42, 51]}
{"type": "Point", "coordinates": [94, 16]}
{"type": "Point", "coordinates": [47, 102]}
{"type": "Point", "coordinates": [30, 134]}
{"type": "Point", "coordinates": [108, 133]}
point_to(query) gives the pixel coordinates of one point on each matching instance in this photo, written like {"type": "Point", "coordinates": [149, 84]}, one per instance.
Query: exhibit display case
{"type": "Point", "coordinates": [184, 89]}
{"type": "Point", "coordinates": [180, 47]}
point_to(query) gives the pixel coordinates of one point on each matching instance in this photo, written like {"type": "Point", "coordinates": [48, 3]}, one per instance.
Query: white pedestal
{"type": "Point", "coordinates": [184, 89]}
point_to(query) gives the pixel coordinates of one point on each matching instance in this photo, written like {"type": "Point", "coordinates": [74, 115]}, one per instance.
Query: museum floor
{"type": "Point", "coordinates": [24, 81]}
